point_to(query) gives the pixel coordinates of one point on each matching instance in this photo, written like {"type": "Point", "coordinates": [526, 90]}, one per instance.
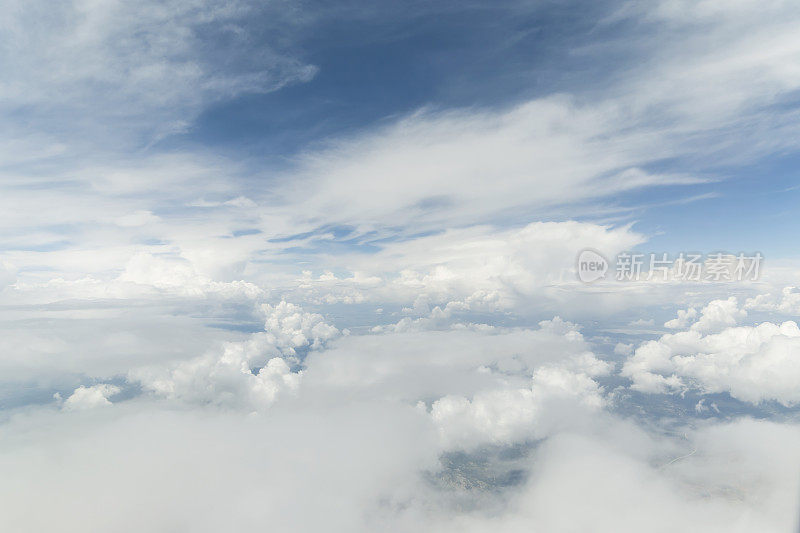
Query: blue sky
{"type": "Point", "coordinates": [353, 69]}
{"type": "Point", "coordinates": [376, 64]}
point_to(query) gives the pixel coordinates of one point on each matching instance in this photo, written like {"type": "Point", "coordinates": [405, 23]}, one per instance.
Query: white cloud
{"type": "Point", "coordinates": [142, 66]}
{"type": "Point", "coordinates": [743, 477]}
{"type": "Point", "coordinates": [289, 327]}
{"type": "Point", "coordinates": [225, 380]}
{"type": "Point", "coordinates": [175, 274]}
{"type": "Point", "coordinates": [539, 154]}
{"type": "Point", "coordinates": [418, 364]}
{"type": "Point", "coordinates": [7, 274]}
{"type": "Point", "coordinates": [685, 317]}
{"type": "Point", "coordinates": [136, 219]}
{"type": "Point", "coordinates": [337, 468]}
{"type": "Point", "coordinates": [508, 416]}
{"type": "Point", "coordinates": [249, 374]}
{"type": "Point", "coordinates": [717, 315]}
{"type": "Point", "coordinates": [752, 363]}
{"type": "Point", "coordinates": [789, 302]}
{"type": "Point", "coordinates": [484, 268]}
{"type": "Point", "coordinates": [90, 397]}
{"type": "Point", "coordinates": [622, 348]}
{"type": "Point", "coordinates": [360, 467]}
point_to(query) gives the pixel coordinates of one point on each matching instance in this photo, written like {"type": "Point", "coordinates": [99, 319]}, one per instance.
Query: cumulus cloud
{"type": "Point", "coordinates": [145, 275]}
{"type": "Point", "coordinates": [226, 380]}
{"type": "Point", "coordinates": [416, 365]}
{"type": "Point", "coordinates": [289, 327]}
{"type": "Point", "coordinates": [175, 274]}
{"type": "Point", "coordinates": [788, 303]}
{"type": "Point", "coordinates": [622, 348]}
{"type": "Point", "coordinates": [90, 397]}
{"type": "Point", "coordinates": [509, 416]}
{"type": "Point", "coordinates": [476, 269]}
{"type": "Point", "coordinates": [250, 374]}
{"type": "Point", "coordinates": [685, 317]}
{"type": "Point", "coordinates": [717, 315]}
{"type": "Point", "coordinates": [752, 363]}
